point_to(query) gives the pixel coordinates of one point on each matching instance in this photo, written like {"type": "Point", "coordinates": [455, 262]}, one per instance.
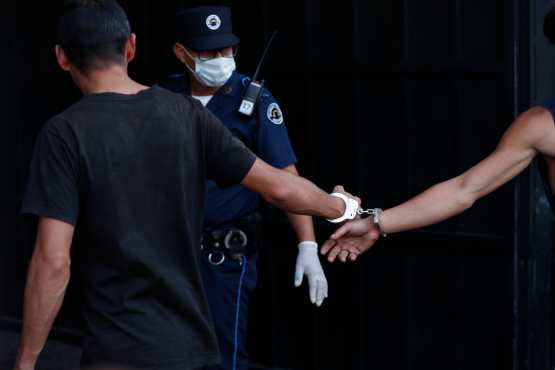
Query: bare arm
{"type": "Point", "coordinates": [47, 280]}
{"type": "Point", "coordinates": [531, 133]}
{"type": "Point", "coordinates": [292, 193]}
{"type": "Point", "coordinates": [302, 224]}
{"type": "Point", "coordinates": [307, 263]}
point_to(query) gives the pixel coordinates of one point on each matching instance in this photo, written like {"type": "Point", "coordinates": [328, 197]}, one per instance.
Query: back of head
{"type": "Point", "coordinates": [549, 24]}
{"type": "Point", "coordinates": [93, 33]}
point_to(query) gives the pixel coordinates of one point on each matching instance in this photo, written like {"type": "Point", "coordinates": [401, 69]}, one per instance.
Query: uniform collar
{"type": "Point", "coordinates": [232, 90]}
{"type": "Point", "coordinates": [233, 87]}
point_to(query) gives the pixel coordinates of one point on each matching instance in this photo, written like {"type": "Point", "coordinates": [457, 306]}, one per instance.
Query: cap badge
{"type": "Point", "coordinates": [213, 22]}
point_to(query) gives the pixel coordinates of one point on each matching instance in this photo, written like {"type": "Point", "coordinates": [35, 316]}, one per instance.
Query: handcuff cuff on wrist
{"type": "Point", "coordinates": [352, 210]}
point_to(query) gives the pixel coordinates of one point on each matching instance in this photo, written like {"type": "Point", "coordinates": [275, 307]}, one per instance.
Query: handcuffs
{"type": "Point", "coordinates": [353, 210]}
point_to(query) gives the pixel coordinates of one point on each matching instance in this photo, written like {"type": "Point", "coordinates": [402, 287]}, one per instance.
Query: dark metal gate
{"type": "Point", "coordinates": [386, 98]}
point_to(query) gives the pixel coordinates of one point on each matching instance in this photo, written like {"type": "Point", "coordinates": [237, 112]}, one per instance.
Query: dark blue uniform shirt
{"type": "Point", "coordinates": [550, 105]}
{"type": "Point", "coordinates": [264, 133]}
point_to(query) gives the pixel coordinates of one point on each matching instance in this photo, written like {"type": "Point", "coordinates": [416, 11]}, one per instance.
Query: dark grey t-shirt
{"type": "Point", "coordinates": [129, 171]}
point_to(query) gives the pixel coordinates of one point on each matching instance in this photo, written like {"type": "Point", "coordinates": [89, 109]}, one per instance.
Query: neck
{"type": "Point", "coordinates": [112, 79]}
{"type": "Point", "coordinates": [198, 89]}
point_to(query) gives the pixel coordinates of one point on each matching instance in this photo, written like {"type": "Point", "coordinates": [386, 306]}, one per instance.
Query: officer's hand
{"type": "Point", "coordinates": [308, 264]}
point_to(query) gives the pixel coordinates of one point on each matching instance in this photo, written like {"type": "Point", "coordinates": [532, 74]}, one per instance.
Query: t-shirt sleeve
{"type": "Point", "coordinates": [53, 185]}
{"type": "Point", "coordinates": [272, 140]}
{"type": "Point", "coordinates": [228, 160]}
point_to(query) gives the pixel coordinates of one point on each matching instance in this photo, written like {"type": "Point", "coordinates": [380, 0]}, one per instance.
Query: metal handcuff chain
{"type": "Point", "coordinates": [376, 213]}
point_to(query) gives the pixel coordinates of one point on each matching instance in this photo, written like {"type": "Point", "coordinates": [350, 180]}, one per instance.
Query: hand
{"type": "Point", "coordinates": [24, 367]}
{"type": "Point", "coordinates": [308, 264]}
{"type": "Point", "coordinates": [351, 239]}
{"type": "Point", "coordinates": [340, 189]}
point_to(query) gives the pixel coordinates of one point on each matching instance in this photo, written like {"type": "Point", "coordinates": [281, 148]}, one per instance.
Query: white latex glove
{"type": "Point", "coordinates": [308, 264]}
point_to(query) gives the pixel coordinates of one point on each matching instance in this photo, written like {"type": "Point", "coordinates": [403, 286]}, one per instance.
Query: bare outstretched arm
{"type": "Point", "coordinates": [532, 133]}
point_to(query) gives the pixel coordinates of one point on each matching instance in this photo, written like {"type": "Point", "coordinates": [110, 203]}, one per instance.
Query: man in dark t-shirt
{"type": "Point", "coordinates": [127, 166]}
{"type": "Point", "coordinates": [118, 165]}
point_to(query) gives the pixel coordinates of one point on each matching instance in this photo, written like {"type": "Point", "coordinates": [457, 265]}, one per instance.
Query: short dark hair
{"type": "Point", "coordinates": [93, 33]}
{"type": "Point", "coordinates": [549, 24]}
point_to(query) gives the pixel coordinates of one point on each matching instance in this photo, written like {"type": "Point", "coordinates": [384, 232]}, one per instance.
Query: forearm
{"type": "Point", "coordinates": [44, 293]}
{"type": "Point", "coordinates": [302, 224]}
{"type": "Point", "coordinates": [454, 196]}
{"type": "Point", "coordinates": [292, 193]}
{"type": "Point", "coordinates": [302, 197]}
{"type": "Point", "coordinates": [437, 204]}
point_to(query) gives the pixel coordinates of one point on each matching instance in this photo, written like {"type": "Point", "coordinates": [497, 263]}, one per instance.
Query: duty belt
{"type": "Point", "coordinates": [238, 240]}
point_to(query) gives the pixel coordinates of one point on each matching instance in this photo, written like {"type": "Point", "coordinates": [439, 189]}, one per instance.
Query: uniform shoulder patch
{"type": "Point", "coordinates": [275, 114]}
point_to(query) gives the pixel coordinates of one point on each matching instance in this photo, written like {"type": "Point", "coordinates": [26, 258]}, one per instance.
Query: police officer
{"type": "Point", "coordinates": [206, 46]}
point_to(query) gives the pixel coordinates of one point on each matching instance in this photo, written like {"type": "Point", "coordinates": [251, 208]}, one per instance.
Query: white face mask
{"type": "Point", "coordinates": [213, 72]}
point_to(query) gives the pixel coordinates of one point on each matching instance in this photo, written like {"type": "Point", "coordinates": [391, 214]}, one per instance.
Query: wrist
{"type": "Point", "coordinates": [24, 367]}
{"type": "Point", "coordinates": [350, 208]}
{"type": "Point", "coordinates": [381, 224]}
{"type": "Point", "coordinates": [339, 207]}
{"type": "Point", "coordinates": [26, 359]}
{"type": "Point", "coordinates": [375, 220]}
{"type": "Point", "coordinates": [25, 362]}
{"type": "Point", "coordinates": [308, 245]}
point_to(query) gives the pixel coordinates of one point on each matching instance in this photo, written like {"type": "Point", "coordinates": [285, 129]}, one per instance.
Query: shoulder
{"type": "Point", "coordinates": [266, 96]}
{"type": "Point", "coordinates": [539, 115]}
{"type": "Point", "coordinates": [270, 108]}
{"type": "Point", "coordinates": [180, 100]}
{"type": "Point", "coordinates": [58, 134]}
{"type": "Point", "coordinates": [240, 80]}
{"type": "Point", "coordinates": [183, 108]}
{"type": "Point", "coordinates": [534, 120]}
{"type": "Point", "coordinates": [175, 83]}
{"type": "Point", "coordinates": [58, 125]}
{"type": "Point", "coordinates": [174, 88]}
{"type": "Point", "coordinates": [534, 128]}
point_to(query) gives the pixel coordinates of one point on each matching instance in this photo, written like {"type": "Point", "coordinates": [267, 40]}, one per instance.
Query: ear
{"type": "Point", "coordinates": [179, 51]}
{"type": "Point", "coordinates": [62, 59]}
{"type": "Point", "coordinates": [130, 48]}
